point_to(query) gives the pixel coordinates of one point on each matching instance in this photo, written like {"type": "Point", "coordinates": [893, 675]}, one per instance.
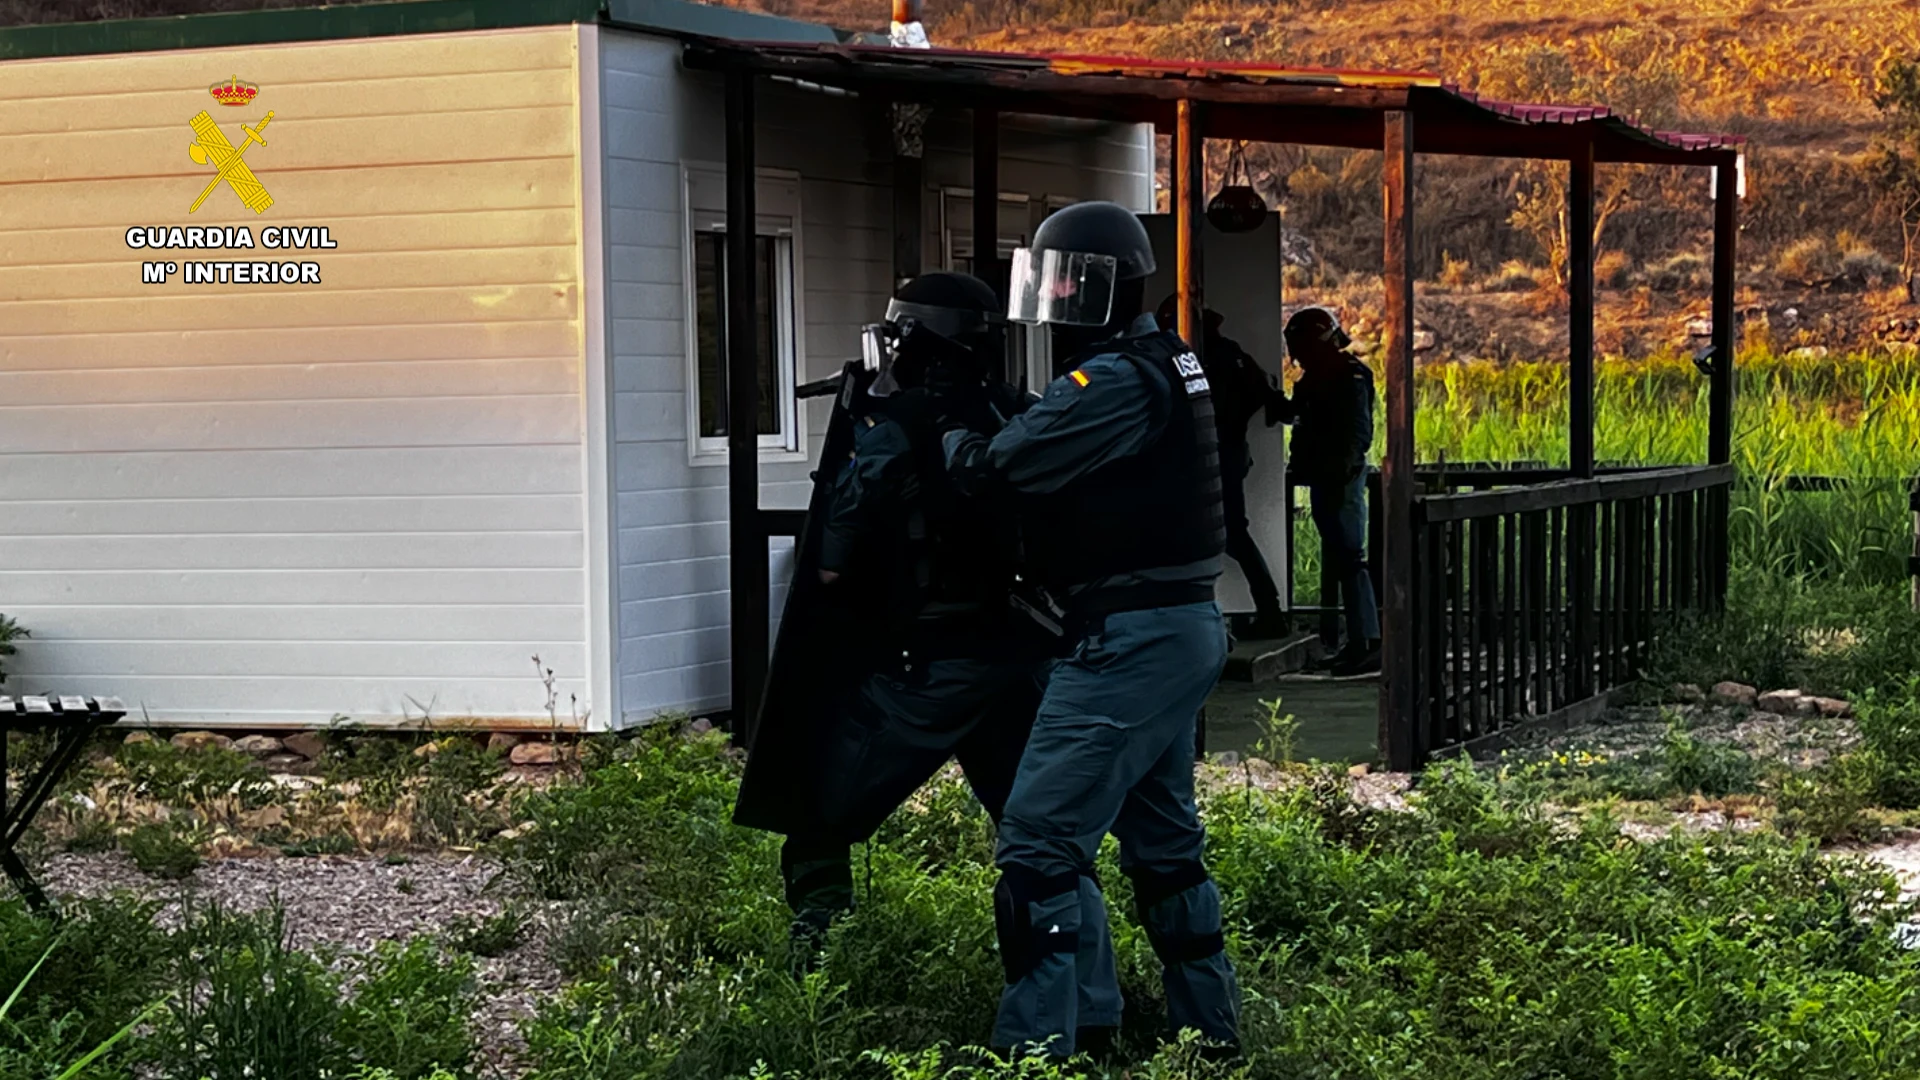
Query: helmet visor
{"type": "Point", "coordinates": [945, 321]}
{"type": "Point", "coordinates": [1065, 288]}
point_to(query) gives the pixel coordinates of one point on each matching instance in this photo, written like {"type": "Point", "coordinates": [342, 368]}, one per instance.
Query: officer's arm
{"type": "Point", "coordinates": [1361, 433]}
{"type": "Point", "coordinates": [881, 460]}
{"type": "Point", "coordinates": [1072, 430]}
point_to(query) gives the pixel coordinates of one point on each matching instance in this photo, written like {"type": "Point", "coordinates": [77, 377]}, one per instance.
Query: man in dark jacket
{"type": "Point", "coordinates": [1332, 416]}
{"type": "Point", "coordinates": [1241, 390]}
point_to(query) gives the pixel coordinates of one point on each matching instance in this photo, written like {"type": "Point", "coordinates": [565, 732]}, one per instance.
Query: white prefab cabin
{"type": "Point", "coordinates": [493, 428]}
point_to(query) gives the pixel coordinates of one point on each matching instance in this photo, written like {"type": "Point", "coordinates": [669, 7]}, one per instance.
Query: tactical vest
{"type": "Point", "coordinates": [952, 558]}
{"type": "Point", "coordinates": [1160, 507]}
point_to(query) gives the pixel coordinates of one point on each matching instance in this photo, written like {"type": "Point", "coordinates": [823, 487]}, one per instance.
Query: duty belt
{"type": "Point", "coordinates": [1087, 613]}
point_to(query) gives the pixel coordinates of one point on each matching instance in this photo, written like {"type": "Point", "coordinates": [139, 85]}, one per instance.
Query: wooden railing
{"type": "Point", "coordinates": [1534, 600]}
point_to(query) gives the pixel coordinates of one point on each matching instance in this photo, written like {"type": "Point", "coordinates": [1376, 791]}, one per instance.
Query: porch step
{"type": "Point", "coordinates": [1265, 661]}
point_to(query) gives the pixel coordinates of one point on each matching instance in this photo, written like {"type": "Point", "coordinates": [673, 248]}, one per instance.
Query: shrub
{"type": "Point", "coordinates": [1865, 267]}
{"type": "Point", "coordinates": [109, 963]}
{"type": "Point", "coordinates": [159, 771]}
{"type": "Point", "coordinates": [1685, 271]}
{"type": "Point", "coordinates": [1455, 273]}
{"type": "Point", "coordinates": [10, 632]}
{"type": "Point", "coordinates": [249, 1005]}
{"type": "Point", "coordinates": [494, 935]}
{"type": "Point", "coordinates": [1514, 277]}
{"type": "Point", "coordinates": [1808, 261]}
{"type": "Point", "coordinates": [410, 1013]}
{"type": "Point", "coordinates": [1889, 724]}
{"type": "Point", "coordinates": [1613, 269]}
{"type": "Point", "coordinates": [164, 850]}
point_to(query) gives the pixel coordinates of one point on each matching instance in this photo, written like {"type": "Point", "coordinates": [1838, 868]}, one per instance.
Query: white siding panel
{"type": "Point", "coordinates": [278, 504]}
{"type": "Point", "coordinates": [671, 515]}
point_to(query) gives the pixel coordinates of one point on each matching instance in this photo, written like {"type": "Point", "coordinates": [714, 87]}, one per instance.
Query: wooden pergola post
{"type": "Point", "coordinates": [986, 199]}
{"type": "Point", "coordinates": [1726, 230]}
{"type": "Point", "coordinates": [1399, 678]}
{"type": "Point", "coordinates": [747, 575]}
{"type": "Point", "coordinates": [1580, 312]}
{"type": "Point", "coordinates": [1189, 175]}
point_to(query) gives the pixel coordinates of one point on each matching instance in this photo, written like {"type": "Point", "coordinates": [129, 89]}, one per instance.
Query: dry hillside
{"type": "Point", "coordinates": [1820, 244]}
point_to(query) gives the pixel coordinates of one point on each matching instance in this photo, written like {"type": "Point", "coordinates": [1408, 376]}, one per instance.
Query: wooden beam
{"type": "Point", "coordinates": [1580, 312]}
{"type": "Point", "coordinates": [1189, 175]}
{"type": "Point", "coordinates": [1399, 678]}
{"type": "Point", "coordinates": [747, 576]}
{"type": "Point", "coordinates": [1726, 231]}
{"type": "Point", "coordinates": [986, 199]}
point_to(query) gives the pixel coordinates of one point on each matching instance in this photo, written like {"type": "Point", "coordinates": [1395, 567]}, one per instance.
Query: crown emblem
{"type": "Point", "coordinates": [233, 91]}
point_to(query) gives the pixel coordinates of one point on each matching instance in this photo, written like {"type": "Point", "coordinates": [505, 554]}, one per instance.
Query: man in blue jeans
{"type": "Point", "coordinates": [1117, 472]}
{"type": "Point", "coordinates": [1332, 416]}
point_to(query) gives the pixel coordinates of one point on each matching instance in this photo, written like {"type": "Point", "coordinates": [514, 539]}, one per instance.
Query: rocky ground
{"type": "Point", "coordinates": [343, 905]}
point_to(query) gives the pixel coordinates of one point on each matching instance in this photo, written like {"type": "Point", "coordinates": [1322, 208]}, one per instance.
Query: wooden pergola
{"type": "Point", "coordinates": [1499, 606]}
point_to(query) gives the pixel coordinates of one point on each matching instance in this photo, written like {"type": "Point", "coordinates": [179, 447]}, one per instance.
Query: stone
{"type": "Point", "coordinates": [1809, 352]}
{"type": "Point", "coordinates": [1688, 694]}
{"type": "Point", "coordinates": [502, 741]}
{"type": "Point", "coordinates": [1226, 757]}
{"type": "Point", "coordinates": [1833, 708]}
{"type": "Point", "coordinates": [308, 744]}
{"type": "Point", "coordinates": [284, 762]}
{"type": "Point", "coordinates": [136, 738]}
{"type": "Point", "coordinates": [259, 746]}
{"type": "Point", "coordinates": [699, 727]}
{"type": "Point", "coordinates": [1733, 693]}
{"type": "Point", "coordinates": [1424, 340]}
{"type": "Point", "coordinates": [427, 750]}
{"type": "Point", "coordinates": [1358, 771]}
{"type": "Point", "coordinates": [200, 740]}
{"type": "Point", "coordinates": [541, 753]}
{"type": "Point", "coordinates": [1784, 702]}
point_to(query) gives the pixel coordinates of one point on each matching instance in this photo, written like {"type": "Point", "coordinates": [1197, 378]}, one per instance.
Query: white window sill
{"type": "Point", "coordinates": [768, 456]}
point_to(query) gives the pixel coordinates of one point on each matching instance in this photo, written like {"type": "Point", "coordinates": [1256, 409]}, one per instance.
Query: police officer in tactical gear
{"type": "Point", "coordinates": [1332, 416]}
{"type": "Point", "coordinates": [1122, 519]}
{"type": "Point", "coordinates": [929, 572]}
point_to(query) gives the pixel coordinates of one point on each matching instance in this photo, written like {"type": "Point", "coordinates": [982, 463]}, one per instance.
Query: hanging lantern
{"type": "Point", "coordinates": [1238, 207]}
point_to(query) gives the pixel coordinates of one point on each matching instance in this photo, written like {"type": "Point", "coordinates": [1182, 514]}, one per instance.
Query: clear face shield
{"type": "Point", "coordinates": [1062, 288]}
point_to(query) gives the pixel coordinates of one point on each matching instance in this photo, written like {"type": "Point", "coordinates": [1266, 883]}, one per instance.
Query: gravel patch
{"type": "Point", "coordinates": [350, 903]}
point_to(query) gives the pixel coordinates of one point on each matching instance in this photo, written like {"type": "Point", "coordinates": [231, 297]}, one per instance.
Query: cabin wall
{"type": "Point", "coordinates": [831, 157]}
{"type": "Point", "coordinates": [274, 504]}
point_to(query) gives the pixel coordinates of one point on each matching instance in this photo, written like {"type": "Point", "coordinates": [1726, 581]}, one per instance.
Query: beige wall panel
{"type": "Point", "coordinates": [310, 197]}
{"type": "Point", "coordinates": [366, 343]}
{"type": "Point", "coordinates": [295, 64]}
{"type": "Point", "coordinates": [252, 504]}
{"type": "Point", "coordinates": [377, 99]}
{"type": "Point", "coordinates": [472, 230]}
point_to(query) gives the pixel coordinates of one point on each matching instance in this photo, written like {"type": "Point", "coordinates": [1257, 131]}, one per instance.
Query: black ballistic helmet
{"type": "Point", "coordinates": [936, 319]}
{"type": "Point", "coordinates": [1099, 228]}
{"type": "Point", "coordinates": [1087, 267]}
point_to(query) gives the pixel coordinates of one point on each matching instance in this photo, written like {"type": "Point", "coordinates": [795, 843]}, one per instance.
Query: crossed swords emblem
{"type": "Point", "coordinates": [210, 146]}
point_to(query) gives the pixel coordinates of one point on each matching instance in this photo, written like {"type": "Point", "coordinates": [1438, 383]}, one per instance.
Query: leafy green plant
{"type": "Point", "coordinates": [249, 1004]}
{"type": "Point", "coordinates": [410, 1012]}
{"type": "Point", "coordinates": [10, 632]}
{"type": "Point", "coordinates": [488, 936]}
{"type": "Point", "coordinates": [159, 771]}
{"type": "Point", "coordinates": [163, 849]}
{"type": "Point", "coordinates": [48, 1065]}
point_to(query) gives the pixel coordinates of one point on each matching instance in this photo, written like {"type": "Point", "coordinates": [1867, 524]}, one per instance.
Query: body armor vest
{"type": "Point", "coordinates": [1160, 507]}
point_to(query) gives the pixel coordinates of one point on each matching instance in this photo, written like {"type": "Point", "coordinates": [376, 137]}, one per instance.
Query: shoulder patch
{"type": "Point", "coordinates": [1079, 377]}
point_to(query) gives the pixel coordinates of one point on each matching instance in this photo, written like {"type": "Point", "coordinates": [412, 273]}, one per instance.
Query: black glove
{"type": "Point", "coordinates": [917, 410]}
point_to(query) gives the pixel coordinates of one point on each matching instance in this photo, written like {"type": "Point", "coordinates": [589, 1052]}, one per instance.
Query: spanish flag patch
{"type": "Point", "coordinates": [1079, 377]}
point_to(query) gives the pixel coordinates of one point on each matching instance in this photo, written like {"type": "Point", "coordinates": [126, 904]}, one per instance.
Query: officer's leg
{"type": "Point", "coordinates": [1325, 504]}
{"type": "Point", "coordinates": [818, 875]}
{"type": "Point", "coordinates": [1242, 549]}
{"type": "Point", "coordinates": [1110, 712]}
{"type": "Point", "coordinates": [1161, 842]}
{"type": "Point", "coordinates": [1363, 613]}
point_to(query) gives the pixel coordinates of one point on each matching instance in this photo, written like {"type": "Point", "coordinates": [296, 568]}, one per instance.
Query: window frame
{"type": "Point", "coordinates": [778, 216]}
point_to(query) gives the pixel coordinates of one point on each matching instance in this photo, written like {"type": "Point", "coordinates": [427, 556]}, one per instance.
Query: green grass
{"type": "Point", "coordinates": [1854, 416]}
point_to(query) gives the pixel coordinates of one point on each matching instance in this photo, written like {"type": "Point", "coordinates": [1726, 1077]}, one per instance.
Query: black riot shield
{"type": "Point", "coordinates": [815, 659]}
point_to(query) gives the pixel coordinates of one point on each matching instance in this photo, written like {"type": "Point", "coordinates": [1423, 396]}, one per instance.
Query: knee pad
{"type": "Point", "coordinates": [1180, 943]}
{"type": "Point", "coordinates": [1022, 944]}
